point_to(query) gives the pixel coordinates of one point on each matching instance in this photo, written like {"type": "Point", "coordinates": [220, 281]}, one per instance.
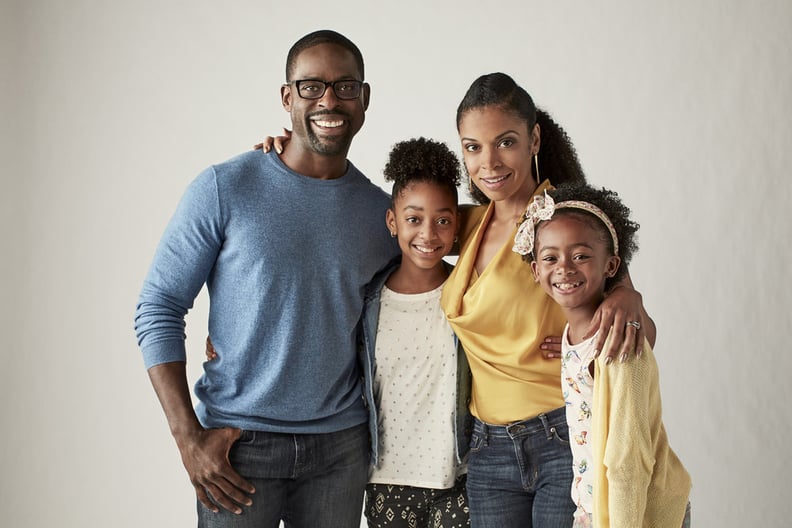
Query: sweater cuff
{"type": "Point", "coordinates": [163, 352]}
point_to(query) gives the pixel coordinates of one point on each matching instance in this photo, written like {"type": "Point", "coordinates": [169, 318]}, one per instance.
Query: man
{"type": "Point", "coordinates": [285, 246]}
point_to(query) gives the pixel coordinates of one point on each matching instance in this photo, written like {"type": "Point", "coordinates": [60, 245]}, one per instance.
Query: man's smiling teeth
{"type": "Point", "coordinates": [329, 124]}
{"type": "Point", "coordinates": [566, 285]}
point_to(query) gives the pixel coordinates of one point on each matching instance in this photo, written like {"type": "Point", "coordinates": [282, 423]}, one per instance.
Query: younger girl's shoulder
{"type": "Point", "coordinates": [640, 371]}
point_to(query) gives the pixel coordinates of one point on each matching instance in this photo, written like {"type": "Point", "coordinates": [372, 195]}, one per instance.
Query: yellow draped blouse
{"type": "Point", "coordinates": [501, 317]}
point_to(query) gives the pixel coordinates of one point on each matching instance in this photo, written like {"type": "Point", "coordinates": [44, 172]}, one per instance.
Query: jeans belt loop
{"type": "Point", "coordinates": [546, 424]}
{"type": "Point", "coordinates": [484, 430]}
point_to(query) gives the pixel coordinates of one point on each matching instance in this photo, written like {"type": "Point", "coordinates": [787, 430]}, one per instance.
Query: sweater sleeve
{"type": "Point", "coordinates": [184, 259]}
{"type": "Point", "coordinates": [623, 438]}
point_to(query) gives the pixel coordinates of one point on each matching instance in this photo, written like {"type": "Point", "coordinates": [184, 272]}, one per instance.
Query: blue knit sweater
{"type": "Point", "coordinates": [285, 259]}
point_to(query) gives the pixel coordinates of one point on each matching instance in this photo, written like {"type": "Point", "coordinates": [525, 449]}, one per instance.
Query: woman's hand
{"type": "Point", "coordinates": [278, 142]}
{"type": "Point", "coordinates": [622, 315]}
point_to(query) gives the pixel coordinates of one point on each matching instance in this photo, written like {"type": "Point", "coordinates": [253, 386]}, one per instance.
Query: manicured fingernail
{"type": "Point", "coordinates": [608, 360]}
{"type": "Point", "coordinates": [624, 357]}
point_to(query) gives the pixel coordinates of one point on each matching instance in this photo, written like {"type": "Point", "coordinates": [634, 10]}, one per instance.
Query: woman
{"type": "Point", "coordinates": [520, 466]}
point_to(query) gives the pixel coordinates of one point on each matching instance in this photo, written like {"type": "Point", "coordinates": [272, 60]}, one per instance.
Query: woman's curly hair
{"type": "Point", "coordinates": [422, 160]}
{"type": "Point", "coordinates": [558, 160]}
{"type": "Point", "coordinates": [610, 204]}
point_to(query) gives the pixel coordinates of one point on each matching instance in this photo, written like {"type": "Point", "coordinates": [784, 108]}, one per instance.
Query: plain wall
{"type": "Point", "coordinates": [109, 109]}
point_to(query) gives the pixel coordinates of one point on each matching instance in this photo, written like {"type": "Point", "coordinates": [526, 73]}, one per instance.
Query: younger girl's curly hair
{"type": "Point", "coordinates": [610, 204]}
{"type": "Point", "coordinates": [422, 160]}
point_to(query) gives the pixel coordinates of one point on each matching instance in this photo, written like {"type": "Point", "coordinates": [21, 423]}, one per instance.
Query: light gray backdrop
{"type": "Point", "coordinates": [109, 109]}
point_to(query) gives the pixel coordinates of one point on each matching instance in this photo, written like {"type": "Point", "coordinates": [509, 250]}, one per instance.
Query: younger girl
{"type": "Point", "coordinates": [579, 241]}
{"type": "Point", "coordinates": [420, 378]}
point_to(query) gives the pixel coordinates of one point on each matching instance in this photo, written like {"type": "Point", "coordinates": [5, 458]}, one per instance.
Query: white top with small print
{"type": "Point", "coordinates": [415, 387]}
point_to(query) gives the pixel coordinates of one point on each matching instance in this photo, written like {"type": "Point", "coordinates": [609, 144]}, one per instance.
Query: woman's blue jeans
{"type": "Point", "coordinates": [521, 474]}
{"type": "Point", "coordinates": [307, 480]}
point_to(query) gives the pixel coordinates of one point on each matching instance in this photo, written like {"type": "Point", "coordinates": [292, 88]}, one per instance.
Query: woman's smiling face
{"type": "Point", "coordinates": [498, 148]}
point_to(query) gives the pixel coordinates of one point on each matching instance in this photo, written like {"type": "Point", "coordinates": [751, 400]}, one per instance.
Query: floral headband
{"type": "Point", "coordinates": [542, 208]}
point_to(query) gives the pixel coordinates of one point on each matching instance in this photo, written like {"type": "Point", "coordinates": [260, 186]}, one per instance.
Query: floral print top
{"type": "Point", "coordinates": [577, 384]}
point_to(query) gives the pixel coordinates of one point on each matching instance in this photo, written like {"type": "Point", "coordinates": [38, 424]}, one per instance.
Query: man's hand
{"type": "Point", "coordinates": [204, 452]}
{"type": "Point", "coordinates": [205, 457]}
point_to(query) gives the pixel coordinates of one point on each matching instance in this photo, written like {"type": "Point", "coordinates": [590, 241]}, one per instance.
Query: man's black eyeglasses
{"type": "Point", "coordinates": [315, 89]}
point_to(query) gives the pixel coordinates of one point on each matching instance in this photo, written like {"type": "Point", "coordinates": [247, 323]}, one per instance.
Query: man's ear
{"type": "Point", "coordinates": [366, 96]}
{"type": "Point", "coordinates": [286, 97]}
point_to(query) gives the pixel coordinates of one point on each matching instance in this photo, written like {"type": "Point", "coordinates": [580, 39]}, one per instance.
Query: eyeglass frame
{"type": "Point", "coordinates": [327, 84]}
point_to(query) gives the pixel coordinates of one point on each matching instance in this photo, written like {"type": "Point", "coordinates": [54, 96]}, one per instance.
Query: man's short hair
{"type": "Point", "coordinates": [323, 36]}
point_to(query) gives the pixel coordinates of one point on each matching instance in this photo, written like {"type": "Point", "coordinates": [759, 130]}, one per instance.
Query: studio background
{"type": "Point", "coordinates": [109, 109]}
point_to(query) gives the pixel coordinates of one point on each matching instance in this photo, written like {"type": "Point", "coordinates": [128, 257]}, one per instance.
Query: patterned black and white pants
{"type": "Point", "coordinates": [392, 506]}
